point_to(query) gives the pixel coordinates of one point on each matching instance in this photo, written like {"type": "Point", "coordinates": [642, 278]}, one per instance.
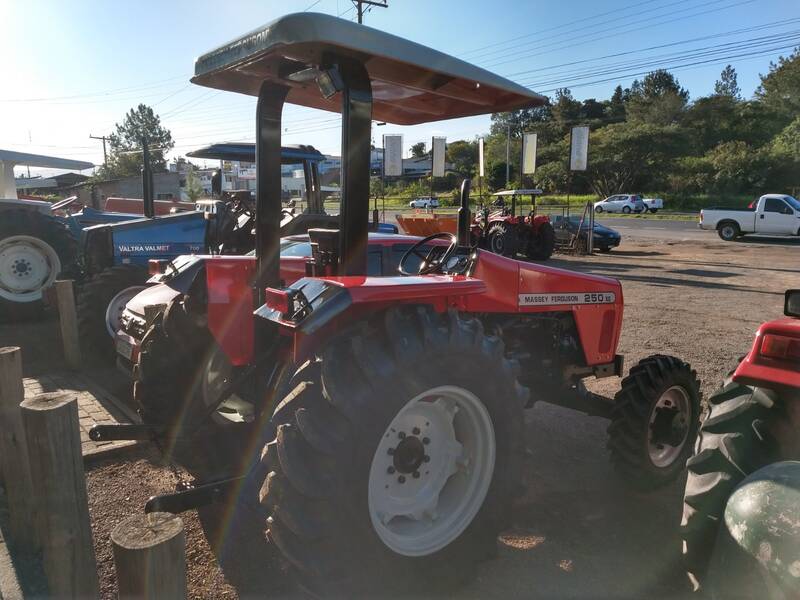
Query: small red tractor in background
{"type": "Point", "coordinates": [388, 438]}
{"type": "Point", "coordinates": [504, 232]}
{"type": "Point", "coordinates": [741, 511]}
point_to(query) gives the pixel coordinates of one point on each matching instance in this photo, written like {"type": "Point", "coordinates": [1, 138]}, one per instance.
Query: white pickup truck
{"type": "Point", "coordinates": [772, 214]}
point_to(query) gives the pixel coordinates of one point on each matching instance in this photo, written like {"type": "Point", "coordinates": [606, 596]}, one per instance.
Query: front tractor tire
{"type": "Point", "coordinates": [100, 303]}
{"type": "Point", "coordinates": [502, 239]}
{"type": "Point", "coordinates": [395, 450]}
{"type": "Point", "coordinates": [542, 243]}
{"type": "Point", "coordinates": [654, 422]}
{"type": "Point", "coordinates": [734, 441]}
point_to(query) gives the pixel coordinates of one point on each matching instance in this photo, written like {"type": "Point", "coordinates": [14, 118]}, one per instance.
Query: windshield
{"type": "Point", "coordinates": [794, 203]}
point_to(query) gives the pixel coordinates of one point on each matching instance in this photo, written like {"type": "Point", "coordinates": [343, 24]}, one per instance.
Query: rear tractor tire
{"type": "Point", "coordinates": [654, 422]}
{"type": "Point", "coordinates": [34, 249]}
{"type": "Point", "coordinates": [394, 450]}
{"type": "Point", "coordinates": [734, 441]}
{"type": "Point", "coordinates": [502, 239]}
{"type": "Point", "coordinates": [543, 243]}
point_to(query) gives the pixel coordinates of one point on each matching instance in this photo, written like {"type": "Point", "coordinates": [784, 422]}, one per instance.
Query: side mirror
{"type": "Point", "coordinates": [791, 306]}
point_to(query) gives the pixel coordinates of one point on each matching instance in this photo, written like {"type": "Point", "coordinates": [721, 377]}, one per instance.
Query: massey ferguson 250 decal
{"type": "Point", "coordinates": [567, 298]}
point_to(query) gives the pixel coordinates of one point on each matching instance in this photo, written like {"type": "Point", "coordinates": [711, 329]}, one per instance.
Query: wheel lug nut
{"type": "Point", "coordinates": [390, 451]}
{"type": "Point", "coordinates": [416, 474]}
{"type": "Point", "coordinates": [426, 458]}
{"type": "Point", "coordinates": [390, 470]}
{"type": "Point", "coordinates": [401, 435]}
{"type": "Point", "coordinates": [426, 441]}
{"type": "Point", "coordinates": [415, 431]}
{"type": "Point", "coordinates": [401, 479]}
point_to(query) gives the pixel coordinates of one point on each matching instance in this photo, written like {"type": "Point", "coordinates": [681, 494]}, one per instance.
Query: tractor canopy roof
{"type": "Point", "coordinates": [246, 152]}
{"type": "Point", "coordinates": [525, 192]}
{"type": "Point", "coordinates": [411, 83]}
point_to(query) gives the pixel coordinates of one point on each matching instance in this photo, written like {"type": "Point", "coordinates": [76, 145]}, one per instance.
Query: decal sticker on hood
{"type": "Point", "coordinates": [567, 298]}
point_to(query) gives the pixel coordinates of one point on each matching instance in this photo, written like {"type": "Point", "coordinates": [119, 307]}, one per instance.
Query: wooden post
{"type": "Point", "coordinates": [54, 449]}
{"type": "Point", "coordinates": [14, 463]}
{"type": "Point", "coordinates": [150, 556]}
{"type": "Point", "coordinates": [68, 317]}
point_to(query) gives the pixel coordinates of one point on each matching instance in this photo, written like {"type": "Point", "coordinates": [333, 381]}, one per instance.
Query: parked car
{"type": "Point", "coordinates": [623, 203]}
{"type": "Point", "coordinates": [604, 238]}
{"type": "Point", "coordinates": [653, 204]}
{"type": "Point", "coordinates": [425, 202]}
{"type": "Point", "coordinates": [774, 214]}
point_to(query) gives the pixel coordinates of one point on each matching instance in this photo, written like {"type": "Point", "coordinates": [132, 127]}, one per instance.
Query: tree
{"type": "Point", "coordinates": [520, 121]}
{"type": "Point", "coordinates": [780, 88]}
{"type": "Point", "coordinates": [566, 110]}
{"type": "Point", "coordinates": [737, 168]}
{"type": "Point", "coordinates": [727, 84]}
{"type": "Point", "coordinates": [616, 106]}
{"type": "Point", "coordinates": [125, 156]}
{"type": "Point", "coordinates": [657, 99]}
{"type": "Point", "coordinates": [418, 150]}
{"type": "Point", "coordinates": [463, 155]}
{"type": "Point", "coordinates": [193, 188]}
{"type": "Point", "coordinates": [626, 156]}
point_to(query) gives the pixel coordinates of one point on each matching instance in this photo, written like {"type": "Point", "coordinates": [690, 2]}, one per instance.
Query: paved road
{"type": "Point", "coordinates": [661, 229]}
{"type": "Point", "coordinates": [671, 231]}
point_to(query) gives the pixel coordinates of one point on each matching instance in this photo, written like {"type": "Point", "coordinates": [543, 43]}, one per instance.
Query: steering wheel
{"type": "Point", "coordinates": [434, 259]}
{"type": "Point", "coordinates": [63, 204]}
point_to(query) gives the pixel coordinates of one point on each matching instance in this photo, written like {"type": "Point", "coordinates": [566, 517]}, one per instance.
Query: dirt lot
{"type": "Point", "coordinates": [579, 533]}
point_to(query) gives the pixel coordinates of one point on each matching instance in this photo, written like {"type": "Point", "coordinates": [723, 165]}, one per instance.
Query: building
{"type": "Point", "coordinates": [166, 186]}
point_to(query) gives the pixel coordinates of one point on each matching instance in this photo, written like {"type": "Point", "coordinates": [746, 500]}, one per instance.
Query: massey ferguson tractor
{"type": "Point", "coordinates": [505, 232]}
{"type": "Point", "coordinates": [741, 509]}
{"type": "Point", "coordinates": [388, 440]}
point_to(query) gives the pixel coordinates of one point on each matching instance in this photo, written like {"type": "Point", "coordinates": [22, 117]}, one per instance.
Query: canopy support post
{"type": "Point", "coordinates": [271, 98]}
{"type": "Point", "coordinates": [356, 126]}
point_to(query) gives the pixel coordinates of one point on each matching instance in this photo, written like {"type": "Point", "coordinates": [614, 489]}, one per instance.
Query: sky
{"type": "Point", "coordinates": [72, 69]}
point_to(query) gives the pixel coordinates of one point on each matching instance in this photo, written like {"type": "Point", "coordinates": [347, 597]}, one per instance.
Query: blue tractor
{"type": "Point", "coordinates": [38, 240]}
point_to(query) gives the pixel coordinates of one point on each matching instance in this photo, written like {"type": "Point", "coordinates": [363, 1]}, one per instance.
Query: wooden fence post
{"type": "Point", "coordinates": [150, 556]}
{"type": "Point", "coordinates": [68, 319]}
{"type": "Point", "coordinates": [14, 463]}
{"type": "Point", "coordinates": [54, 450]}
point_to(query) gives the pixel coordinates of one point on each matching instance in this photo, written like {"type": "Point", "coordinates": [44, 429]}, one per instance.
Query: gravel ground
{"type": "Point", "coordinates": [578, 531]}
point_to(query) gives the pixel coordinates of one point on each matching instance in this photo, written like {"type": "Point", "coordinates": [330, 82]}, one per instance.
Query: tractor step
{"type": "Point", "coordinates": [191, 496]}
{"type": "Point", "coordinates": [112, 433]}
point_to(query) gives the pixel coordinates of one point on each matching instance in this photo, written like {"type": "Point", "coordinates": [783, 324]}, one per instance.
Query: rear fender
{"type": "Point", "coordinates": [596, 302]}
{"type": "Point", "coordinates": [764, 371]}
{"type": "Point", "coordinates": [339, 301]}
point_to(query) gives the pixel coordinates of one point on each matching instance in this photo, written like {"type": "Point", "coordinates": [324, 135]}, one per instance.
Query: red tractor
{"type": "Point", "coordinates": [741, 511]}
{"type": "Point", "coordinates": [502, 231]}
{"type": "Point", "coordinates": [387, 443]}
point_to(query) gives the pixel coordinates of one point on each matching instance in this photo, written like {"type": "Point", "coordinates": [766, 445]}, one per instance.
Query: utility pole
{"type": "Point", "coordinates": [104, 138]}
{"type": "Point", "coordinates": [508, 154]}
{"type": "Point", "coordinates": [360, 6]}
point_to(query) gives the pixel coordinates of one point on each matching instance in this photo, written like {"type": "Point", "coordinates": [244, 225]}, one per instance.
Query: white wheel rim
{"type": "Point", "coordinates": [727, 231]}
{"type": "Point", "coordinates": [668, 430]}
{"type": "Point", "coordinates": [116, 307]}
{"type": "Point", "coordinates": [417, 515]}
{"type": "Point", "coordinates": [27, 266]}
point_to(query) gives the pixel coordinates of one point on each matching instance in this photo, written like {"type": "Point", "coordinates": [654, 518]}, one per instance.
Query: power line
{"type": "Point", "coordinates": [527, 35]}
{"type": "Point", "coordinates": [553, 46]}
{"type": "Point", "coordinates": [660, 46]}
{"type": "Point", "coordinates": [656, 61]}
